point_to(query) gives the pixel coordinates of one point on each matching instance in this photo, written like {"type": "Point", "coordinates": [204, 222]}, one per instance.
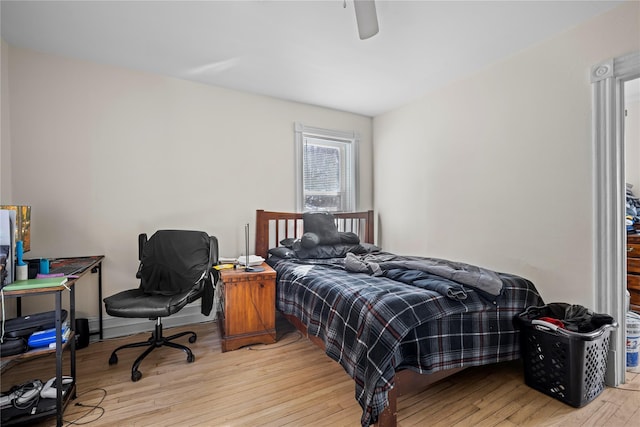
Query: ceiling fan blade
{"type": "Point", "coordinates": [367, 18]}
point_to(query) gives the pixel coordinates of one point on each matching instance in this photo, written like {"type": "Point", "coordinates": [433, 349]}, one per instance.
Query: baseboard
{"type": "Point", "coordinates": [114, 327]}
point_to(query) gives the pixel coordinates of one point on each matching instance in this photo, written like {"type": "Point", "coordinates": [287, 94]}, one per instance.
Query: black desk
{"type": "Point", "coordinates": [79, 266]}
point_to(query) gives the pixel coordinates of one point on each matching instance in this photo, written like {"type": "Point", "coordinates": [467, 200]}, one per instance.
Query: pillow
{"type": "Point", "coordinates": [329, 251]}
{"type": "Point", "coordinates": [288, 243]}
{"type": "Point", "coordinates": [282, 252]}
{"type": "Point", "coordinates": [370, 247]}
{"type": "Point", "coordinates": [349, 237]}
{"type": "Point", "coordinates": [323, 225]}
{"type": "Point", "coordinates": [309, 240]}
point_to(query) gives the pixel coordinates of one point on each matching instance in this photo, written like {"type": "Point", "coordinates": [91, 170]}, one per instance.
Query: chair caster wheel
{"type": "Point", "coordinates": [192, 339]}
{"type": "Point", "coordinates": [136, 375]}
{"type": "Point", "coordinates": [190, 358]}
{"type": "Point", "coordinates": [113, 359]}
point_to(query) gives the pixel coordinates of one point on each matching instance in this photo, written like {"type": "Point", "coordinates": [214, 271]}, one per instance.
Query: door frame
{"type": "Point", "coordinates": [609, 244]}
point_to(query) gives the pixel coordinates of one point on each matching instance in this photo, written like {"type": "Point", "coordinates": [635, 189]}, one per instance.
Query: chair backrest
{"type": "Point", "coordinates": [174, 261]}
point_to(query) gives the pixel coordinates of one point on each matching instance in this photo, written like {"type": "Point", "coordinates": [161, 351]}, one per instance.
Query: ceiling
{"type": "Point", "coordinates": [304, 51]}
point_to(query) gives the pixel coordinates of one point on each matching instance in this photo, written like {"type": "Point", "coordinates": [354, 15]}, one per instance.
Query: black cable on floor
{"type": "Point", "coordinates": [92, 408]}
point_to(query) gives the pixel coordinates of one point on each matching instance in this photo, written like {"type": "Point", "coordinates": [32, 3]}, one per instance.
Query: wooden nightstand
{"type": "Point", "coordinates": [247, 309]}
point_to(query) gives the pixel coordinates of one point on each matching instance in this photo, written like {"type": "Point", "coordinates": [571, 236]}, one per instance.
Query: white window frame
{"type": "Point", "coordinates": [351, 140]}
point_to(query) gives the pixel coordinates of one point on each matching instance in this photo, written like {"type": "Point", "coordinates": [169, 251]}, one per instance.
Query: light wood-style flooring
{"type": "Point", "coordinates": [293, 383]}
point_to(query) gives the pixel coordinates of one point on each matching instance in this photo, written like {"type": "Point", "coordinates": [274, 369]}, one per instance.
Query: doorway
{"type": "Point", "coordinates": [608, 79]}
{"type": "Point", "coordinates": [632, 135]}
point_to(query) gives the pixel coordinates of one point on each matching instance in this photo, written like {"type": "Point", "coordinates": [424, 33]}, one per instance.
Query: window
{"type": "Point", "coordinates": [325, 169]}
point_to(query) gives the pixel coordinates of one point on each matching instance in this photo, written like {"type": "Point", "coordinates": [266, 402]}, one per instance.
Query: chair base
{"type": "Point", "coordinates": [156, 340]}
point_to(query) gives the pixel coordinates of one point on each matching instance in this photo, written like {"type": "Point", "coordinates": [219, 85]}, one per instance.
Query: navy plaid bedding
{"type": "Point", "coordinates": [374, 326]}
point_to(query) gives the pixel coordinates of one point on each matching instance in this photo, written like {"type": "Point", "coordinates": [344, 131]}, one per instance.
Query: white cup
{"type": "Point", "coordinates": [22, 272]}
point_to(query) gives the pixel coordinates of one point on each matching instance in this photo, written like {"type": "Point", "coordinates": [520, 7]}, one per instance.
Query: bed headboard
{"type": "Point", "coordinates": [272, 227]}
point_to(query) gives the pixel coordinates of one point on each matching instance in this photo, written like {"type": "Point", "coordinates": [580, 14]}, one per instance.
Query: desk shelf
{"type": "Point", "coordinates": [10, 361]}
{"type": "Point", "coordinates": [46, 408]}
{"type": "Point", "coordinates": [60, 401]}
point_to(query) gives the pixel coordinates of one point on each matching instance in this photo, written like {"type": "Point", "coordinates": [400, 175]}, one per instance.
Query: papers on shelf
{"type": "Point", "coordinates": [48, 282]}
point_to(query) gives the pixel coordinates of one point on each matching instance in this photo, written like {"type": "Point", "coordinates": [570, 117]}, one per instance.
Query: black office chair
{"type": "Point", "coordinates": [175, 270]}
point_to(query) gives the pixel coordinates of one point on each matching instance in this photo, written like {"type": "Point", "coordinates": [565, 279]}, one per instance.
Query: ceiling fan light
{"type": "Point", "coordinates": [367, 18]}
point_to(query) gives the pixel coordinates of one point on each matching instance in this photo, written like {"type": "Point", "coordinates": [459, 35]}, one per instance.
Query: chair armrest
{"type": "Point", "coordinates": [213, 251]}
{"type": "Point", "coordinates": [142, 241]}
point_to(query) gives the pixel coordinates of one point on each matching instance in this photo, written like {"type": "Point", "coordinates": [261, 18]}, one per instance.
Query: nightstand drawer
{"type": "Point", "coordinates": [248, 307]}
{"type": "Point", "coordinates": [633, 265]}
{"type": "Point", "coordinates": [633, 250]}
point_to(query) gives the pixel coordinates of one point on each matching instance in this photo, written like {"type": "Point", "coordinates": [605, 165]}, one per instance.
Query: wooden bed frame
{"type": "Point", "coordinates": [272, 227]}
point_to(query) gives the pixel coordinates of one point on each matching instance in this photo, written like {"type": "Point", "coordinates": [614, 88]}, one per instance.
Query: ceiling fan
{"type": "Point", "coordinates": [366, 17]}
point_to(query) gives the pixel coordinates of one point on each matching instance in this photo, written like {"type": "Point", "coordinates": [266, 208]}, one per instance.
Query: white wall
{"type": "Point", "coordinates": [496, 168]}
{"type": "Point", "coordinates": [5, 147]}
{"type": "Point", "coordinates": [103, 153]}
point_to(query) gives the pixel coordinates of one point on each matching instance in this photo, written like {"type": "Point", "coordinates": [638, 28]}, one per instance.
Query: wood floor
{"type": "Point", "coordinates": [292, 383]}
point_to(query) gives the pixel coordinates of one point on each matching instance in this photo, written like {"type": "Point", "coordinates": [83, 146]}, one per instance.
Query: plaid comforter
{"type": "Point", "coordinates": [374, 326]}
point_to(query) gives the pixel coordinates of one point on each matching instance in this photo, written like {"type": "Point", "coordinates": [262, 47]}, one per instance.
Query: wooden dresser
{"type": "Point", "coordinates": [633, 270]}
{"type": "Point", "coordinates": [247, 306]}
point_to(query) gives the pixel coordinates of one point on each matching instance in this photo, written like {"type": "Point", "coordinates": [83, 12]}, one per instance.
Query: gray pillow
{"type": "Point", "coordinates": [282, 252]}
{"type": "Point", "coordinates": [309, 240]}
{"type": "Point", "coordinates": [349, 237]}
{"type": "Point", "coordinates": [288, 242]}
{"type": "Point", "coordinates": [370, 247]}
{"type": "Point", "coordinates": [329, 251]}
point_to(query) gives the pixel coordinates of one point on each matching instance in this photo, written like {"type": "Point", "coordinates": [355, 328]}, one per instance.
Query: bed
{"type": "Point", "coordinates": [395, 323]}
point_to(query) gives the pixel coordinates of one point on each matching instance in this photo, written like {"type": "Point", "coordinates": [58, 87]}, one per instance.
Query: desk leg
{"type": "Point", "coordinates": [58, 357]}
{"type": "Point", "coordinates": [98, 269]}
{"type": "Point", "coordinates": [72, 343]}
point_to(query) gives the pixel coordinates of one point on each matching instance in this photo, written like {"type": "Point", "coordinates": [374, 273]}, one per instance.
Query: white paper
{"type": "Point", "coordinates": [253, 260]}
